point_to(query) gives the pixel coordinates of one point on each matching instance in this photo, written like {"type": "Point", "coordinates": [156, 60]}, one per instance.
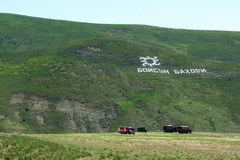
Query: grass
{"type": "Point", "coordinates": [22, 147]}
{"type": "Point", "coordinates": [43, 33]}
{"type": "Point", "coordinates": [147, 100]}
{"type": "Point", "coordinates": [151, 145]}
{"type": "Point", "coordinates": [59, 63]}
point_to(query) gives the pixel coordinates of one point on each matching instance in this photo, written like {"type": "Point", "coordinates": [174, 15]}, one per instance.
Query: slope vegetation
{"type": "Point", "coordinates": [58, 76]}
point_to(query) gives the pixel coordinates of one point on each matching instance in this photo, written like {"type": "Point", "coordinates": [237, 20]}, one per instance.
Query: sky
{"type": "Point", "coordinates": [180, 14]}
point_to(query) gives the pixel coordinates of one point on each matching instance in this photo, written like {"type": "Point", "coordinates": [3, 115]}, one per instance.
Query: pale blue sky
{"type": "Point", "coordinates": [186, 14]}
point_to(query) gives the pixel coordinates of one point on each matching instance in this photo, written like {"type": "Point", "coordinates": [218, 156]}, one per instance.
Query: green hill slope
{"type": "Point", "coordinates": [21, 33]}
{"type": "Point", "coordinates": [58, 76]}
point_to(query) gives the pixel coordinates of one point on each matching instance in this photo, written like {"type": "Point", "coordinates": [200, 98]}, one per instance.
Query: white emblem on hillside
{"type": "Point", "coordinates": [149, 61]}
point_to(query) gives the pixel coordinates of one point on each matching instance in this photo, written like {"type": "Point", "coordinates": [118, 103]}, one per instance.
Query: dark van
{"type": "Point", "coordinates": [141, 129]}
{"type": "Point", "coordinates": [169, 128]}
{"type": "Point", "coordinates": [183, 129]}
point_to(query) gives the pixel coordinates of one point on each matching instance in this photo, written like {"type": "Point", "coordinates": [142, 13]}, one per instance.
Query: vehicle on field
{"type": "Point", "coordinates": [141, 129]}
{"type": "Point", "coordinates": [183, 129]}
{"type": "Point", "coordinates": [169, 128]}
{"type": "Point", "coordinates": [126, 130]}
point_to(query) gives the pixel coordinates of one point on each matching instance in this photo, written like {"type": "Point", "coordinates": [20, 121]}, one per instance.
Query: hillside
{"type": "Point", "coordinates": [58, 76]}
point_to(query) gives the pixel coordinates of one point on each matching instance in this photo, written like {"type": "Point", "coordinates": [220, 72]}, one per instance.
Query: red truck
{"type": "Point", "coordinates": [126, 130]}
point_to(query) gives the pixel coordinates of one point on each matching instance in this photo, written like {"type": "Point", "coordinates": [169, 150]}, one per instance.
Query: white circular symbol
{"type": "Point", "coordinates": [150, 61]}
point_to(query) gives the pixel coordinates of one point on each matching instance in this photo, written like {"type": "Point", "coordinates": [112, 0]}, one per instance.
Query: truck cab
{"type": "Point", "coordinates": [126, 130]}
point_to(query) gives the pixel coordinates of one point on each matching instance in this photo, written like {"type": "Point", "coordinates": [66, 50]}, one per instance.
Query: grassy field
{"type": "Point", "coordinates": [152, 145]}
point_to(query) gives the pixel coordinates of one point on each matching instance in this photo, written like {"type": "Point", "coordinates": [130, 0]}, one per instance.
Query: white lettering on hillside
{"type": "Point", "coordinates": [175, 71]}
{"type": "Point", "coordinates": [152, 70]}
{"type": "Point", "coordinates": [189, 71]}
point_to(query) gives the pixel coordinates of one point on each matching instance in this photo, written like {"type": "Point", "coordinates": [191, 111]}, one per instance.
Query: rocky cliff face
{"type": "Point", "coordinates": [68, 115]}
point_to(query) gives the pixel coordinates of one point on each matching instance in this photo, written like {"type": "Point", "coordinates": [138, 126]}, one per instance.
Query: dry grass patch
{"type": "Point", "coordinates": [152, 145]}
